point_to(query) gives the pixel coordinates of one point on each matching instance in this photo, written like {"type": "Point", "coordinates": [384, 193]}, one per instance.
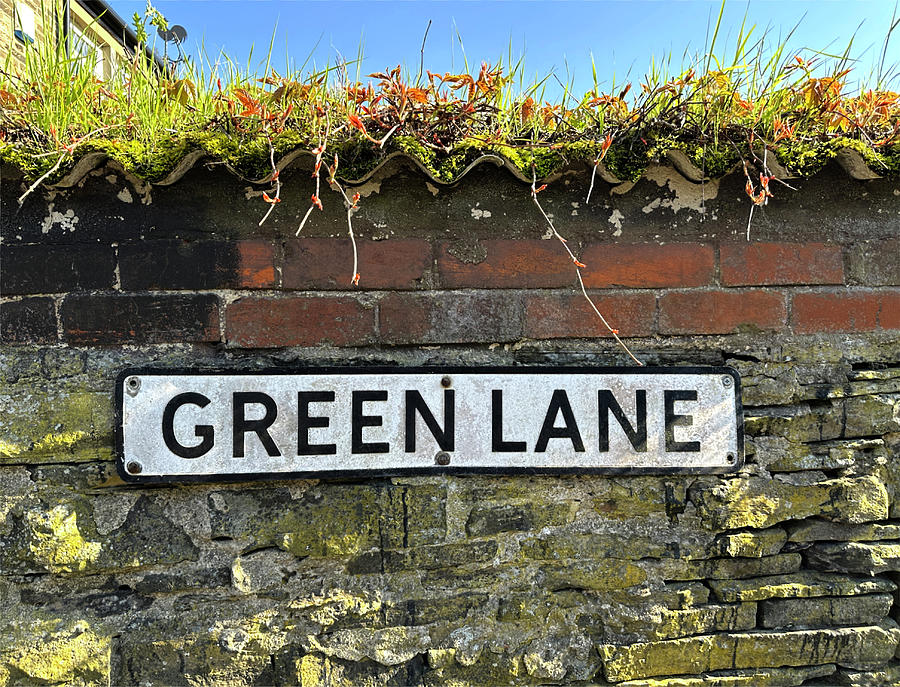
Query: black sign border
{"type": "Point", "coordinates": [418, 471]}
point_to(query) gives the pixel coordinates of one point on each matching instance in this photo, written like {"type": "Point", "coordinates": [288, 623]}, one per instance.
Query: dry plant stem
{"type": "Point", "coordinates": [69, 149]}
{"type": "Point", "coordinates": [276, 177]}
{"type": "Point", "coordinates": [594, 173]}
{"type": "Point", "coordinates": [37, 183]}
{"type": "Point", "coordinates": [352, 207]}
{"type": "Point", "coordinates": [319, 152]}
{"type": "Point", "coordinates": [578, 266]}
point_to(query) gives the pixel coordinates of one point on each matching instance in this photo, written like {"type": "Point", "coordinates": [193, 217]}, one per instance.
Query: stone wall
{"type": "Point", "coordinates": [783, 574]}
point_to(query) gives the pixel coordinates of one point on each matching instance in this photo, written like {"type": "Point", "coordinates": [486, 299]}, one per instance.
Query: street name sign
{"type": "Point", "coordinates": [184, 425]}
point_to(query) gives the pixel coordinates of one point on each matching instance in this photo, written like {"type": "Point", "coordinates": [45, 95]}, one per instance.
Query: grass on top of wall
{"type": "Point", "coordinates": [719, 110]}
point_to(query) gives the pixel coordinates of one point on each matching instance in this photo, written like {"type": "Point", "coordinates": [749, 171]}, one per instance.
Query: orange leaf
{"type": "Point", "coordinates": [316, 201]}
{"type": "Point", "coordinates": [419, 95]}
{"type": "Point", "coordinates": [356, 123]}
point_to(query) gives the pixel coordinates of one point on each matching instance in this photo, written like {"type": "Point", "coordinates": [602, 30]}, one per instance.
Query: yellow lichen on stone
{"type": "Point", "coordinates": [338, 604]}
{"type": "Point", "coordinates": [78, 655]}
{"type": "Point", "coordinates": [56, 542]}
{"type": "Point", "coordinates": [311, 671]}
{"type": "Point", "coordinates": [63, 441]}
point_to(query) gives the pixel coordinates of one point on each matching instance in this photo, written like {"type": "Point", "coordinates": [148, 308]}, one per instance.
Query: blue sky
{"type": "Point", "coordinates": [558, 37]}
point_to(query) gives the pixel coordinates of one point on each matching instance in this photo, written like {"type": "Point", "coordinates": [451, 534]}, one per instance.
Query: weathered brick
{"type": "Point", "coordinates": [889, 313]}
{"type": "Point", "coordinates": [648, 265]}
{"type": "Point", "coordinates": [875, 263]}
{"type": "Point", "coordinates": [529, 263]}
{"type": "Point", "coordinates": [449, 317]}
{"type": "Point", "coordinates": [750, 264]}
{"type": "Point", "coordinates": [196, 264]}
{"type": "Point", "coordinates": [720, 312]}
{"type": "Point", "coordinates": [125, 318]}
{"type": "Point", "coordinates": [257, 322]}
{"type": "Point", "coordinates": [571, 316]}
{"type": "Point", "coordinates": [835, 311]}
{"type": "Point", "coordinates": [56, 269]}
{"type": "Point", "coordinates": [325, 263]}
{"type": "Point", "coordinates": [30, 320]}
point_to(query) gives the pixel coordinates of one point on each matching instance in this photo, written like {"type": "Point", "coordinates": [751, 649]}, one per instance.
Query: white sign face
{"type": "Point", "coordinates": [182, 426]}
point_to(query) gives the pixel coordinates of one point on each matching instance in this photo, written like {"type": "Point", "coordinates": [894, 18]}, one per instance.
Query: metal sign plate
{"type": "Point", "coordinates": [176, 425]}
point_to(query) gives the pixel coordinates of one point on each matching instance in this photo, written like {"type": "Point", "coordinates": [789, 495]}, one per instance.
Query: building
{"type": "Point", "coordinates": [90, 29]}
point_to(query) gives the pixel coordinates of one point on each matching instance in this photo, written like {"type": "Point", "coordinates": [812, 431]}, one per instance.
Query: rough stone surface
{"type": "Point", "coordinates": [824, 611]}
{"type": "Point", "coordinates": [859, 647]}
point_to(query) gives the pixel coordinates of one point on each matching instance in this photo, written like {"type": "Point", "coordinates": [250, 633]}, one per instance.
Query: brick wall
{"type": "Point", "coordinates": [295, 292]}
{"type": "Point", "coordinates": [783, 574]}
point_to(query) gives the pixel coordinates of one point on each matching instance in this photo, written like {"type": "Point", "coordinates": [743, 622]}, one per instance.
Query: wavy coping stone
{"type": "Point", "coordinates": [850, 160]}
{"type": "Point", "coordinates": [802, 584]}
{"type": "Point", "coordinates": [860, 648]}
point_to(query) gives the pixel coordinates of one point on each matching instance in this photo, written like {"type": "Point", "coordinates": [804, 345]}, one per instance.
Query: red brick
{"type": "Point", "coordinates": [126, 318]}
{"type": "Point", "coordinates": [835, 311]}
{"type": "Point", "coordinates": [323, 263]}
{"type": "Point", "coordinates": [720, 312]}
{"type": "Point", "coordinates": [571, 316]}
{"type": "Point", "coordinates": [450, 317]}
{"type": "Point", "coordinates": [889, 315]}
{"type": "Point", "coordinates": [196, 265]}
{"type": "Point", "coordinates": [256, 265]}
{"type": "Point", "coordinates": [257, 322]}
{"type": "Point", "coordinates": [648, 265]}
{"type": "Point", "coordinates": [751, 264]}
{"type": "Point", "coordinates": [531, 263]}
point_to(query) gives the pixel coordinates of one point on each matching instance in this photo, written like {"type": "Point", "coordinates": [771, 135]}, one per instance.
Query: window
{"type": "Point", "coordinates": [92, 54]}
{"type": "Point", "coordinates": [24, 23]}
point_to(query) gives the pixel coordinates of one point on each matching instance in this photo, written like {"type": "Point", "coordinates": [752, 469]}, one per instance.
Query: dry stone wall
{"type": "Point", "coordinates": [783, 574]}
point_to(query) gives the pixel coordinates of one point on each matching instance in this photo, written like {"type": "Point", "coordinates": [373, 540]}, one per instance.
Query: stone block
{"type": "Point", "coordinates": [752, 544]}
{"type": "Point", "coordinates": [855, 557]}
{"type": "Point", "coordinates": [598, 575]}
{"type": "Point", "coordinates": [862, 648]}
{"type": "Point", "coordinates": [757, 502]}
{"type": "Point", "coordinates": [57, 652]}
{"type": "Point", "coordinates": [888, 675]}
{"type": "Point", "coordinates": [813, 529]}
{"type": "Point", "coordinates": [803, 584]}
{"type": "Point", "coordinates": [824, 611]}
{"type": "Point", "coordinates": [722, 568]}
{"type": "Point", "coordinates": [757, 677]}
{"type": "Point", "coordinates": [324, 520]}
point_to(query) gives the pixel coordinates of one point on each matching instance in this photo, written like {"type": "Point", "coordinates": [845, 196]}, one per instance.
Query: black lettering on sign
{"type": "Point", "coordinates": [305, 423]}
{"type": "Point", "coordinates": [205, 432]}
{"type": "Point", "coordinates": [241, 425]}
{"type": "Point", "coordinates": [559, 403]}
{"type": "Point", "coordinates": [416, 404]}
{"type": "Point", "coordinates": [673, 420]}
{"type": "Point", "coordinates": [608, 404]}
{"type": "Point", "coordinates": [498, 445]}
{"type": "Point", "coordinates": [358, 421]}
